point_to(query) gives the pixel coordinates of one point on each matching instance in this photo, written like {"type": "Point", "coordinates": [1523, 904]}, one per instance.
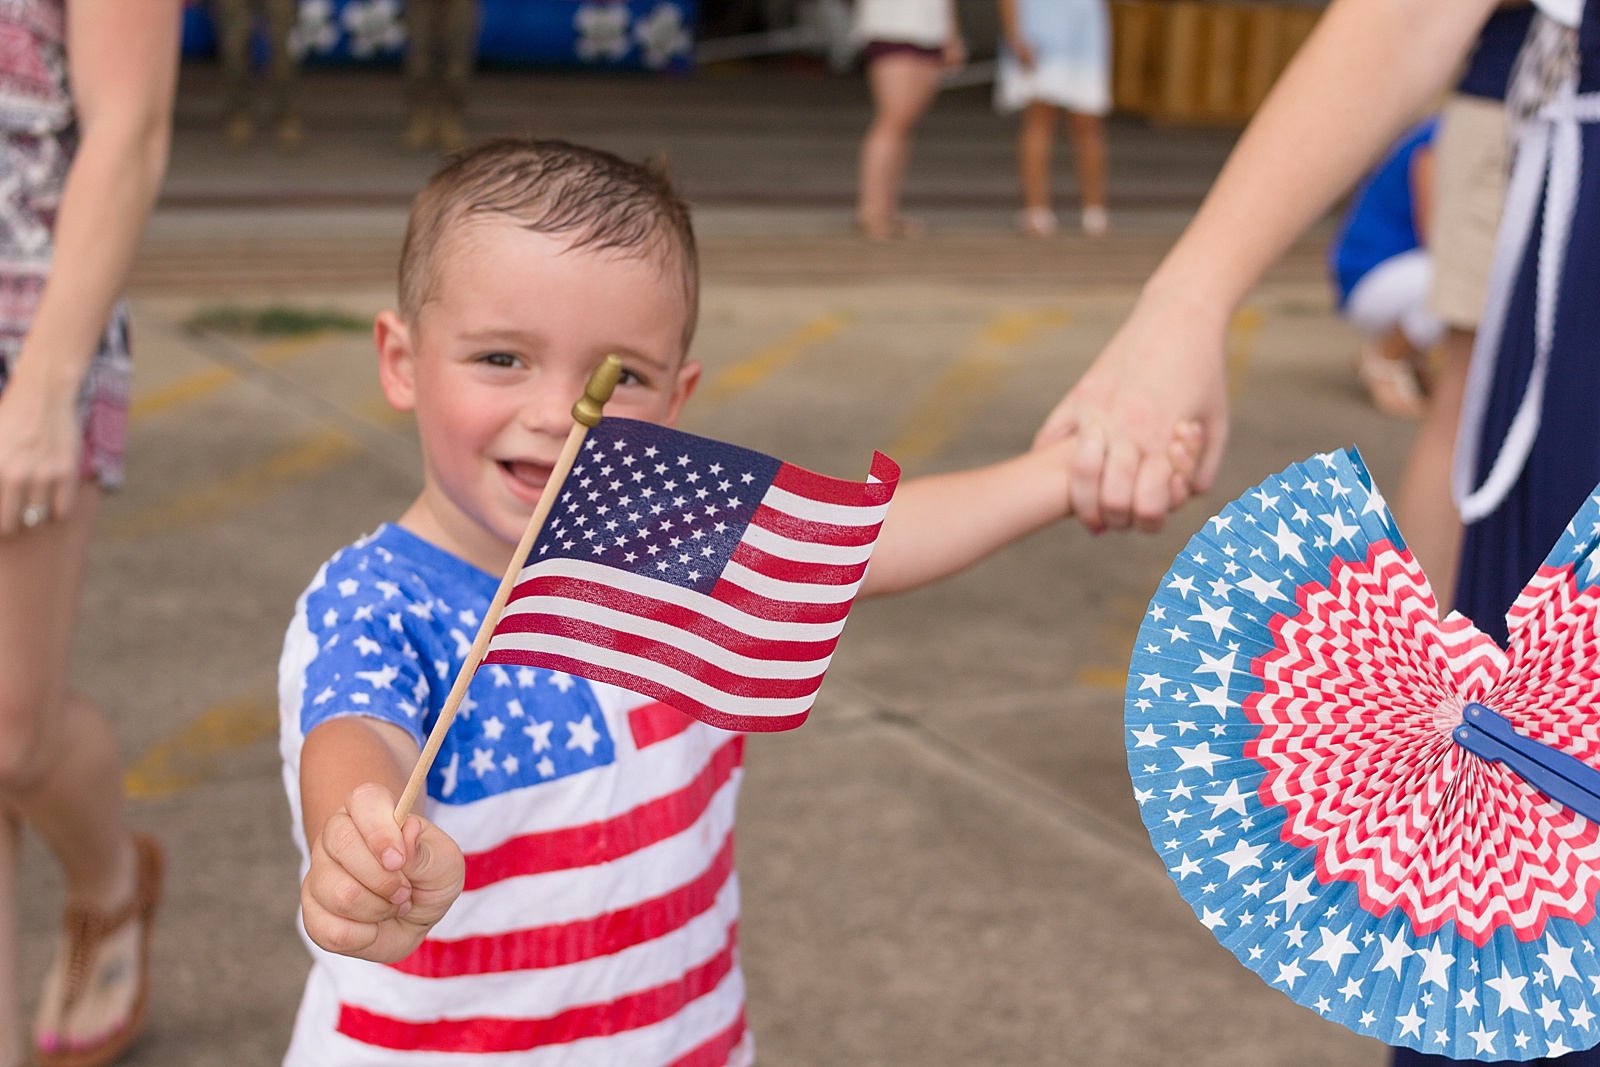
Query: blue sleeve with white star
{"type": "Point", "coordinates": [369, 661]}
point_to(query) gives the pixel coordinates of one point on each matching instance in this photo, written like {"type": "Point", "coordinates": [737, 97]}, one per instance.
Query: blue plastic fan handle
{"type": "Point", "coordinates": [1563, 778]}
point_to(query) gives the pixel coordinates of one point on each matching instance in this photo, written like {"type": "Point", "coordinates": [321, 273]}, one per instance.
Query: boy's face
{"type": "Point", "coordinates": [495, 360]}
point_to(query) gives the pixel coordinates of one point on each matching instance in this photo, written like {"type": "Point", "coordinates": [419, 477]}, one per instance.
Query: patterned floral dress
{"type": "Point", "coordinates": [38, 136]}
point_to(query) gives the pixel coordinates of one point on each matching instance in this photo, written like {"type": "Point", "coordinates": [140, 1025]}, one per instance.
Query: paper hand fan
{"type": "Point", "coordinates": [1382, 813]}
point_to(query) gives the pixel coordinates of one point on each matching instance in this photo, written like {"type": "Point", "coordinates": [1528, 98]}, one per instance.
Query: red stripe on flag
{"type": "Point", "coordinates": [609, 839]}
{"type": "Point", "coordinates": [517, 620]}
{"type": "Point", "coordinates": [802, 482]}
{"type": "Point", "coordinates": [560, 944]}
{"type": "Point", "coordinates": [668, 655]}
{"type": "Point", "coordinates": [817, 533]}
{"type": "Point", "coordinates": [737, 596]}
{"type": "Point", "coordinates": [722, 720]}
{"type": "Point", "coordinates": [715, 1052]}
{"type": "Point", "coordinates": [657, 722]}
{"type": "Point", "coordinates": [789, 570]}
{"type": "Point", "coordinates": [489, 1034]}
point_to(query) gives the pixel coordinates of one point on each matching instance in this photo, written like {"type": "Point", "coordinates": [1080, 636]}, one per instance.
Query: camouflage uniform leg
{"type": "Point", "coordinates": [422, 48]}
{"type": "Point", "coordinates": [460, 52]}
{"type": "Point", "coordinates": [234, 21]}
{"type": "Point", "coordinates": [283, 66]}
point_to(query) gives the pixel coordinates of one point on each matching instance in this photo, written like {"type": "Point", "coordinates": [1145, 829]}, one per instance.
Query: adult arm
{"type": "Point", "coordinates": [1366, 71]}
{"type": "Point", "coordinates": [1011, 28]}
{"type": "Point", "coordinates": [122, 61]}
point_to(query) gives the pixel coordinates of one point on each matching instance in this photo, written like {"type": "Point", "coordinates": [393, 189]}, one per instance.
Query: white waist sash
{"type": "Point", "coordinates": [1549, 158]}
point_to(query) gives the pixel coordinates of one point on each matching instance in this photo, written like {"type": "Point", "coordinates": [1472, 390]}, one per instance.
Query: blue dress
{"type": "Point", "coordinates": [1504, 548]}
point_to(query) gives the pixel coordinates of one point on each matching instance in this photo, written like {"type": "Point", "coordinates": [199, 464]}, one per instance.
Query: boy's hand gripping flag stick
{"type": "Point", "coordinates": [585, 416]}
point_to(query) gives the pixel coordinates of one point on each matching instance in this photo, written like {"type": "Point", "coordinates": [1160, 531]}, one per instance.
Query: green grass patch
{"type": "Point", "coordinates": [277, 320]}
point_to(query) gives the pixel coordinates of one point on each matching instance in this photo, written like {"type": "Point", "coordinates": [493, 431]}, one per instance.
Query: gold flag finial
{"type": "Point", "coordinates": [601, 384]}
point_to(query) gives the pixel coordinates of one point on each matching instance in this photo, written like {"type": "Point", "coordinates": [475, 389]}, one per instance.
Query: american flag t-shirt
{"type": "Point", "coordinates": [599, 920]}
{"type": "Point", "coordinates": [710, 577]}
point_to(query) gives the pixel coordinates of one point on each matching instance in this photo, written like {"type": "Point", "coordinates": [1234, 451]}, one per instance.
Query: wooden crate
{"type": "Point", "coordinates": [1196, 61]}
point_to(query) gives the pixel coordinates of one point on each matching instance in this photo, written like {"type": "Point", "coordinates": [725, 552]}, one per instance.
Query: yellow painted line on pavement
{"type": "Point", "coordinates": [250, 486]}
{"type": "Point", "coordinates": [203, 383]}
{"type": "Point", "coordinates": [188, 758]}
{"type": "Point", "coordinates": [1243, 330]}
{"type": "Point", "coordinates": [970, 383]}
{"type": "Point", "coordinates": [763, 363]}
{"type": "Point", "coordinates": [315, 454]}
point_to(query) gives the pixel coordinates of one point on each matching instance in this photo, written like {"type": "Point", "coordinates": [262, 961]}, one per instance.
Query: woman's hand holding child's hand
{"type": "Point", "coordinates": [375, 889]}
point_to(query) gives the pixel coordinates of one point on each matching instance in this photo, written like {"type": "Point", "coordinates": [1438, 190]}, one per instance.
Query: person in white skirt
{"type": "Point", "coordinates": [1055, 61]}
{"type": "Point", "coordinates": [908, 44]}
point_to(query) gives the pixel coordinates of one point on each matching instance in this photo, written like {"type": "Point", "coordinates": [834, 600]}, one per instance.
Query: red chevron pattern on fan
{"type": "Point", "coordinates": [1371, 639]}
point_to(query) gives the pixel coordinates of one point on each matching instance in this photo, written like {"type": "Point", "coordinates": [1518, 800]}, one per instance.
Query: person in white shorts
{"type": "Point", "coordinates": [1055, 63]}
{"type": "Point", "coordinates": [908, 44]}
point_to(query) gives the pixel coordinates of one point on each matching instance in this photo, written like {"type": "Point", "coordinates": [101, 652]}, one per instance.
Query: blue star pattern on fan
{"type": "Point", "coordinates": [635, 502]}
{"type": "Point", "coordinates": [393, 619]}
{"type": "Point", "coordinates": [1260, 877]}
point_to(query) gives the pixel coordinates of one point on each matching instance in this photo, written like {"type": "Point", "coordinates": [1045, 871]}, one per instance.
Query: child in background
{"type": "Point", "coordinates": [908, 45]}
{"type": "Point", "coordinates": [566, 892]}
{"type": "Point", "coordinates": [1384, 274]}
{"type": "Point", "coordinates": [1055, 64]}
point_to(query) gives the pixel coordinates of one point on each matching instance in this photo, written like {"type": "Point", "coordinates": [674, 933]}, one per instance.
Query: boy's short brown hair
{"type": "Point", "coordinates": [598, 200]}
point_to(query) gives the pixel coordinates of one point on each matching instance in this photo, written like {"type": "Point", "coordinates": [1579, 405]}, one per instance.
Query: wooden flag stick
{"type": "Point", "coordinates": [585, 416]}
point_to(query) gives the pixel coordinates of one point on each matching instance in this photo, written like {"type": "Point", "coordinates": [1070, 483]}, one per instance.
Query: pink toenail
{"type": "Point", "coordinates": [49, 1042]}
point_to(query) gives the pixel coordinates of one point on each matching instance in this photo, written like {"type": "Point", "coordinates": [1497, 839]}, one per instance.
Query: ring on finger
{"type": "Point", "coordinates": [33, 515]}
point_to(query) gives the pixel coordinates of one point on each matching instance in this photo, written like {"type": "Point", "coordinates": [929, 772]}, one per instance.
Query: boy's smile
{"type": "Point", "coordinates": [498, 355]}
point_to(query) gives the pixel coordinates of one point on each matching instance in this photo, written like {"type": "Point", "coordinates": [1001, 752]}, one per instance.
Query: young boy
{"type": "Point", "coordinates": [566, 893]}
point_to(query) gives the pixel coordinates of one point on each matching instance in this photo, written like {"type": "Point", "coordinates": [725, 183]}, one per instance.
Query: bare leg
{"type": "Point", "coordinates": [1088, 135]}
{"type": "Point", "coordinates": [903, 85]}
{"type": "Point", "coordinates": [1425, 511]}
{"type": "Point", "coordinates": [12, 1046]}
{"type": "Point", "coordinates": [59, 766]}
{"type": "Point", "coordinates": [1033, 154]}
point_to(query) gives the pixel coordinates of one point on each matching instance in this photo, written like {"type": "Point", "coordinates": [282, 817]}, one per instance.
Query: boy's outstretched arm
{"type": "Point", "coordinates": [375, 888]}
{"type": "Point", "coordinates": [941, 525]}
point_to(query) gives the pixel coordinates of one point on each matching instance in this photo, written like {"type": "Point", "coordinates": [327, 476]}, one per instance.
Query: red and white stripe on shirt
{"type": "Point", "coordinates": [598, 925]}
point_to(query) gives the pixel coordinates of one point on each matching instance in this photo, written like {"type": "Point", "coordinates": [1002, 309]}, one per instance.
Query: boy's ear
{"type": "Point", "coordinates": [397, 361]}
{"type": "Point", "coordinates": [682, 390]}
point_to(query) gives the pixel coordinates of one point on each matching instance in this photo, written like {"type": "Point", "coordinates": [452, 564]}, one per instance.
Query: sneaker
{"type": "Point", "coordinates": [1096, 220]}
{"type": "Point", "coordinates": [1038, 222]}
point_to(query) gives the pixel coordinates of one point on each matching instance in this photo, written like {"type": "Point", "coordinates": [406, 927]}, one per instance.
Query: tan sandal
{"type": "Point", "coordinates": [86, 929]}
{"type": "Point", "coordinates": [1391, 383]}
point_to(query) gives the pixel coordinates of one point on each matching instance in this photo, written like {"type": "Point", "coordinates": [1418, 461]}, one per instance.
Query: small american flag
{"type": "Point", "coordinates": [709, 577]}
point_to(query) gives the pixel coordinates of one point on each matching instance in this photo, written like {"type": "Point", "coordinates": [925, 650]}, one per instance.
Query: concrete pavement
{"type": "Point", "coordinates": [945, 866]}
